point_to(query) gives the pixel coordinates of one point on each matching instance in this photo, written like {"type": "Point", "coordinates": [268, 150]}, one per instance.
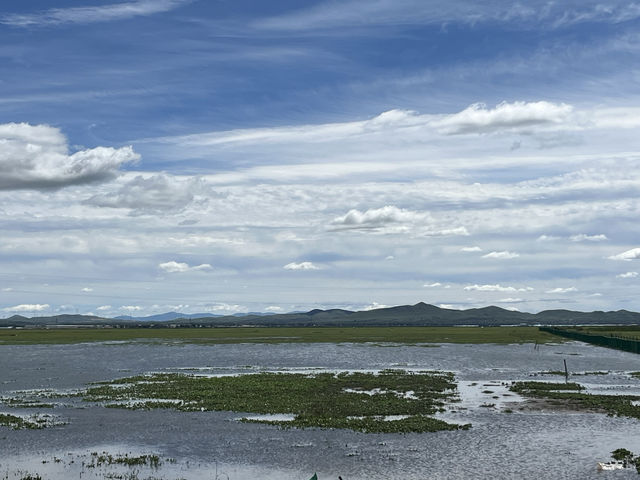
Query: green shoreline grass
{"type": "Point", "coordinates": [405, 335]}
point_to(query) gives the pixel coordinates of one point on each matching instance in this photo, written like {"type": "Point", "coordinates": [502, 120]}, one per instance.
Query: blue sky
{"type": "Point", "coordinates": [239, 156]}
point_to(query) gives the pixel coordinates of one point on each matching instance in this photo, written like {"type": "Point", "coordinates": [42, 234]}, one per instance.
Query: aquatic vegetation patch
{"type": "Point", "coordinates": [19, 403]}
{"type": "Point", "coordinates": [571, 394]}
{"type": "Point", "coordinates": [32, 422]}
{"type": "Point", "coordinates": [104, 458]}
{"type": "Point", "coordinates": [323, 400]}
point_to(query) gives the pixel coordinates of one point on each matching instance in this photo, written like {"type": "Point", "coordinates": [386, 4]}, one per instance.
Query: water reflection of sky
{"type": "Point", "coordinates": [568, 445]}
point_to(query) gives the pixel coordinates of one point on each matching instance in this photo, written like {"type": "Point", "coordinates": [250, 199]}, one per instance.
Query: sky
{"type": "Point", "coordinates": [247, 156]}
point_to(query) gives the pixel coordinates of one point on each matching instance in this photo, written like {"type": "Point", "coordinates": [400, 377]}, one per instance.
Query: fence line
{"type": "Point", "coordinates": [626, 344]}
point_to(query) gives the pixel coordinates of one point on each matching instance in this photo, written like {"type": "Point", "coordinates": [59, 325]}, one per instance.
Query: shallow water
{"type": "Point", "coordinates": [522, 444]}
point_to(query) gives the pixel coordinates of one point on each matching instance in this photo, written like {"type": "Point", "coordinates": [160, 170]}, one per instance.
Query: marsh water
{"type": "Point", "coordinates": [506, 440]}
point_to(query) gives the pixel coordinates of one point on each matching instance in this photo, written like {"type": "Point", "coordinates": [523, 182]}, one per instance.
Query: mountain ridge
{"type": "Point", "coordinates": [420, 314]}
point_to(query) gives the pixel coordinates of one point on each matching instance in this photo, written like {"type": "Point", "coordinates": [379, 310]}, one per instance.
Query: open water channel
{"type": "Point", "coordinates": [541, 444]}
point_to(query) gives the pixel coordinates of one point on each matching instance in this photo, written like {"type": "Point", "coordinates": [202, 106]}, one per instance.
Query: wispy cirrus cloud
{"type": "Point", "coordinates": [583, 237]}
{"type": "Point", "coordinates": [534, 14]}
{"type": "Point", "coordinates": [562, 290]}
{"type": "Point", "coordinates": [91, 14]}
{"type": "Point", "coordinates": [504, 254]}
{"type": "Point", "coordinates": [497, 288]}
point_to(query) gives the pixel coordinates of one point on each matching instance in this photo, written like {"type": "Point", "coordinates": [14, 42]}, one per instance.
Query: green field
{"type": "Point", "coordinates": [404, 335]}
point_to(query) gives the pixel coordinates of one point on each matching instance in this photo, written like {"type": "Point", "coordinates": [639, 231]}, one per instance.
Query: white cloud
{"type": "Point", "coordinates": [510, 300]}
{"type": "Point", "coordinates": [389, 257]}
{"type": "Point", "coordinates": [224, 308]}
{"type": "Point", "coordinates": [588, 238]}
{"type": "Point", "coordinates": [36, 157]}
{"type": "Point", "coordinates": [449, 306]}
{"type": "Point", "coordinates": [632, 254]}
{"type": "Point", "coordinates": [374, 306]}
{"type": "Point", "coordinates": [103, 308]}
{"type": "Point", "coordinates": [28, 307]}
{"type": "Point", "coordinates": [181, 267]}
{"type": "Point", "coordinates": [131, 308]}
{"type": "Point", "coordinates": [496, 288]}
{"type": "Point", "coordinates": [432, 285]}
{"type": "Point", "coordinates": [354, 13]}
{"type": "Point", "coordinates": [477, 118]}
{"type": "Point", "coordinates": [301, 266]}
{"type": "Point", "coordinates": [150, 194]}
{"type": "Point", "coordinates": [470, 249]}
{"type": "Point", "coordinates": [376, 217]}
{"type": "Point", "coordinates": [391, 219]}
{"type": "Point", "coordinates": [502, 255]}
{"type": "Point", "coordinates": [273, 308]}
{"type": "Point", "coordinates": [92, 14]}
{"type": "Point", "coordinates": [87, 289]}
{"type": "Point", "coordinates": [7, 289]}
{"type": "Point", "coordinates": [627, 275]}
{"type": "Point", "coordinates": [389, 127]}
{"type": "Point", "coordinates": [548, 238]}
{"type": "Point", "coordinates": [562, 290]}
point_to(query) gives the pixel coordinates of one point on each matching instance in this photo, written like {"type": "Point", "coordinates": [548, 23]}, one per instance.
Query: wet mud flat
{"type": "Point", "coordinates": [512, 429]}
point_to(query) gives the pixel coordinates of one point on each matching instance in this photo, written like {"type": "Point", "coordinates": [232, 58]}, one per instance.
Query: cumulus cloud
{"type": "Point", "coordinates": [632, 254]}
{"type": "Point", "coordinates": [432, 285]}
{"type": "Point", "coordinates": [180, 267]}
{"type": "Point", "coordinates": [301, 266]}
{"type": "Point", "coordinates": [103, 308]}
{"type": "Point", "coordinates": [588, 238]}
{"type": "Point", "coordinates": [150, 194]}
{"type": "Point", "coordinates": [87, 289]}
{"type": "Point", "coordinates": [36, 157]}
{"type": "Point", "coordinates": [92, 14]}
{"type": "Point", "coordinates": [562, 290]}
{"type": "Point", "coordinates": [376, 217]}
{"type": "Point", "coordinates": [273, 308]}
{"type": "Point", "coordinates": [391, 219]}
{"type": "Point", "coordinates": [477, 118]}
{"type": "Point", "coordinates": [470, 249]}
{"type": "Point", "coordinates": [627, 275]}
{"type": "Point", "coordinates": [496, 288]}
{"type": "Point", "coordinates": [502, 255]}
{"type": "Point", "coordinates": [28, 307]}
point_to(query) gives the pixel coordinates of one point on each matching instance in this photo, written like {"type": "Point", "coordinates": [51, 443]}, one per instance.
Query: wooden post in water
{"type": "Point", "coordinates": [566, 372]}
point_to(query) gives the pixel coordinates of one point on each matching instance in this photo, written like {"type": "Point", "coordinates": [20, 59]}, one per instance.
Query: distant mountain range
{"type": "Point", "coordinates": [162, 317]}
{"type": "Point", "coordinates": [420, 314]}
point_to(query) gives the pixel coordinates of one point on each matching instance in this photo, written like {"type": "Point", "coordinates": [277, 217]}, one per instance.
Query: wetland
{"type": "Point", "coordinates": [286, 410]}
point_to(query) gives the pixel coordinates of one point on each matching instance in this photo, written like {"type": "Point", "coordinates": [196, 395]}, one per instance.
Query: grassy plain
{"type": "Point", "coordinates": [403, 335]}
